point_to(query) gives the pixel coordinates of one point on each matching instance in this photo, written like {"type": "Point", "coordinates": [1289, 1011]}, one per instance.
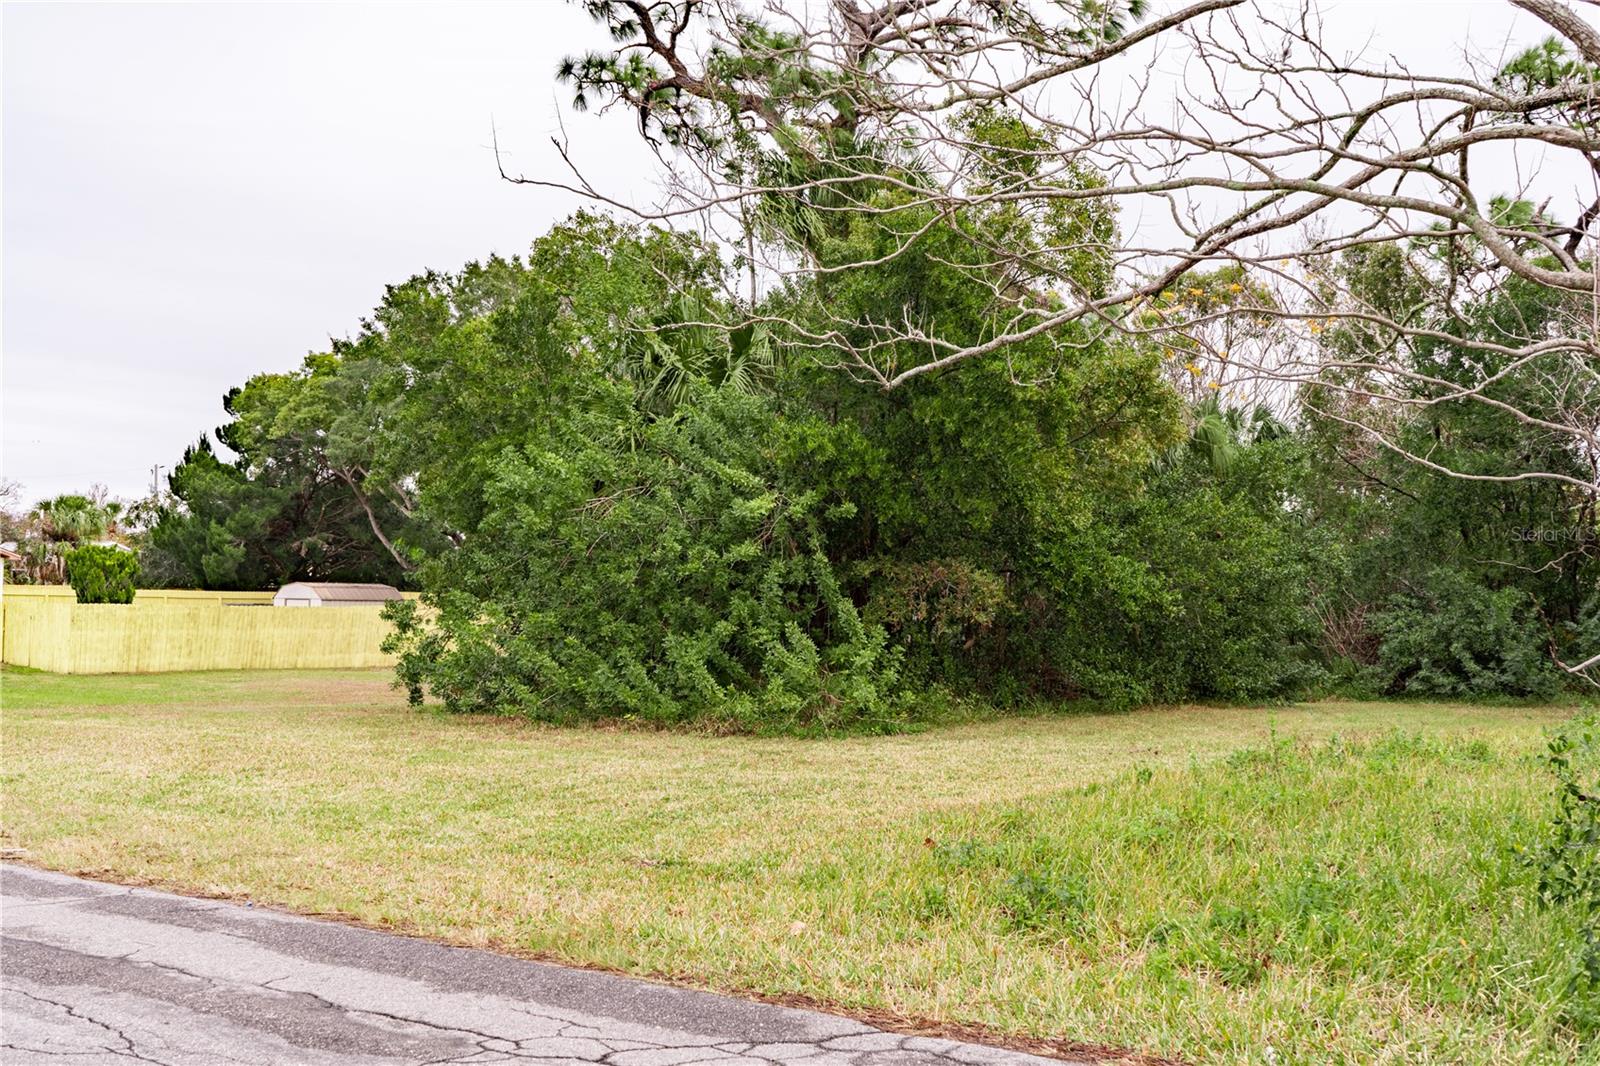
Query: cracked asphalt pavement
{"type": "Point", "coordinates": [93, 973]}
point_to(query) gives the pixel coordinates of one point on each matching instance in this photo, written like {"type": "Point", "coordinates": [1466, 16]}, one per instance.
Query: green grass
{"type": "Point", "coordinates": [1334, 882]}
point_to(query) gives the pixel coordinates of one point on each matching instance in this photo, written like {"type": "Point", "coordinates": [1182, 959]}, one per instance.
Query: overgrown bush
{"type": "Point", "coordinates": [960, 502]}
{"type": "Point", "coordinates": [1189, 590]}
{"type": "Point", "coordinates": [661, 569]}
{"type": "Point", "coordinates": [102, 574]}
{"type": "Point", "coordinates": [1456, 637]}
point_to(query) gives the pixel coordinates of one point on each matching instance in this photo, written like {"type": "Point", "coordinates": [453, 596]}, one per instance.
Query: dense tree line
{"type": "Point", "coordinates": [629, 481]}
{"type": "Point", "coordinates": [614, 507]}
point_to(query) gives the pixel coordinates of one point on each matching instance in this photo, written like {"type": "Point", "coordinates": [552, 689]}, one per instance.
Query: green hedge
{"type": "Point", "coordinates": [102, 574]}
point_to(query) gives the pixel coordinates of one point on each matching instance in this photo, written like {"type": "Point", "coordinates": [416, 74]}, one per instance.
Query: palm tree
{"type": "Point", "coordinates": [665, 357]}
{"type": "Point", "coordinates": [61, 524]}
{"type": "Point", "coordinates": [73, 518]}
{"type": "Point", "coordinates": [1217, 434]}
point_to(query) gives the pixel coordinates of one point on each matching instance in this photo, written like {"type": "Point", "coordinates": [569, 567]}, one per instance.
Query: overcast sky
{"type": "Point", "coordinates": [194, 193]}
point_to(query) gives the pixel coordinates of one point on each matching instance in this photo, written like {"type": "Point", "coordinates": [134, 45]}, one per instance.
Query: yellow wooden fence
{"type": "Point", "coordinates": [182, 629]}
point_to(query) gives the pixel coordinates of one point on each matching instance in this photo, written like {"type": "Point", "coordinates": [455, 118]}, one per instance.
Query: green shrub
{"type": "Point", "coordinates": [1455, 637]}
{"type": "Point", "coordinates": [658, 569]}
{"type": "Point", "coordinates": [102, 574]}
{"type": "Point", "coordinates": [1188, 591]}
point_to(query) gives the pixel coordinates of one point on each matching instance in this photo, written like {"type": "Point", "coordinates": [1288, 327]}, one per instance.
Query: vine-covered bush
{"type": "Point", "coordinates": [658, 569]}
{"type": "Point", "coordinates": [102, 574]}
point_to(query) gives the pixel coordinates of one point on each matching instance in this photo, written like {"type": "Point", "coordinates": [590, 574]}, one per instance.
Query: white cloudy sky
{"type": "Point", "coordinates": [194, 193]}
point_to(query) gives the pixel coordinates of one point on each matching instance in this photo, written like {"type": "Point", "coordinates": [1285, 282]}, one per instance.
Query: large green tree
{"type": "Point", "coordinates": [295, 503]}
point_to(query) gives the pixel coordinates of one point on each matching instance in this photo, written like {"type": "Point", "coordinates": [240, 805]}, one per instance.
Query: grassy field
{"type": "Point", "coordinates": [1324, 883]}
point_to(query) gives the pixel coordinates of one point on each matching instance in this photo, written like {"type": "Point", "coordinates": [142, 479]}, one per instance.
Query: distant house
{"type": "Point", "coordinates": [333, 594]}
{"type": "Point", "coordinates": [7, 557]}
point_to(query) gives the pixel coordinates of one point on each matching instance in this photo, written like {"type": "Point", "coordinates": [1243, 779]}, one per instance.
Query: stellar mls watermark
{"type": "Point", "coordinates": [1558, 535]}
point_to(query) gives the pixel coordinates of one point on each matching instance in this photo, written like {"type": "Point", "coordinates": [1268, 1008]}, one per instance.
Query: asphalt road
{"type": "Point", "coordinates": [93, 973]}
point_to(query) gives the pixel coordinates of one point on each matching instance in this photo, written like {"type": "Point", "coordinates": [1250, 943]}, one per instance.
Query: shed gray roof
{"type": "Point", "coordinates": [340, 590]}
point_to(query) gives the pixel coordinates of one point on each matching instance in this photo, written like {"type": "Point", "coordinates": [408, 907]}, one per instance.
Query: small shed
{"type": "Point", "coordinates": [333, 594]}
